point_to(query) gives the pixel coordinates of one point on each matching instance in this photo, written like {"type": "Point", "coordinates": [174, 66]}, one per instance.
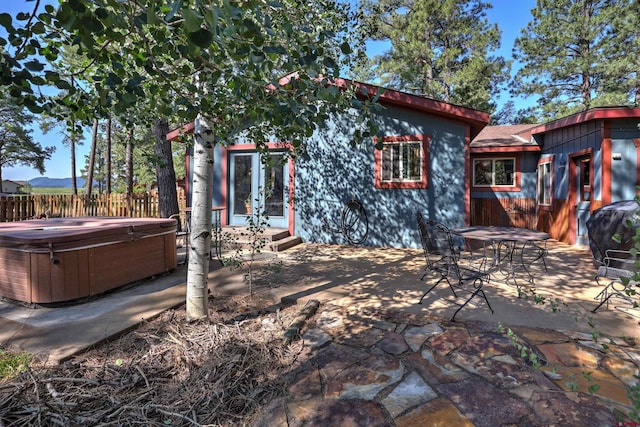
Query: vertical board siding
{"type": "Point", "coordinates": [555, 221]}
{"type": "Point", "coordinates": [14, 274]}
{"type": "Point", "coordinates": [504, 212]}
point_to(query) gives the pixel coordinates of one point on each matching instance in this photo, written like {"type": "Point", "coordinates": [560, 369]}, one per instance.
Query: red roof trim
{"type": "Point", "coordinates": [510, 149]}
{"type": "Point", "coordinates": [475, 118]}
{"type": "Point", "coordinates": [185, 129]}
{"type": "Point", "coordinates": [592, 114]}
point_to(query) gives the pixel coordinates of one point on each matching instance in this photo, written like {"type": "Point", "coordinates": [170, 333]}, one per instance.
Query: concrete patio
{"type": "Point", "coordinates": [388, 278]}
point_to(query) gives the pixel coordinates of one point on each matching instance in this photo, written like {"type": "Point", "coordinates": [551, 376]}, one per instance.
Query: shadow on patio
{"type": "Point", "coordinates": [389, 279]}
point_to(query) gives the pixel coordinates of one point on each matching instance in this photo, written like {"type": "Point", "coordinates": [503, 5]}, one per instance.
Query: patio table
{"type": "Point", "coordinates": [513, 248]}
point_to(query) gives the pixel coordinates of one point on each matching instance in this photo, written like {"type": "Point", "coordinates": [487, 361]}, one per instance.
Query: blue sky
{"type": "Point", "coordinates": [510, 15]}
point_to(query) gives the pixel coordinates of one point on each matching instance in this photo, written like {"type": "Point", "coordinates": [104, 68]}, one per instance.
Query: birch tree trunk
{"type": "Point", "coordinates": [200, 238]}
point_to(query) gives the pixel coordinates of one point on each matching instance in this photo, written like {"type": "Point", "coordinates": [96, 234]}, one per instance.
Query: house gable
{"type": "Point", "coordinates": [592, 154]}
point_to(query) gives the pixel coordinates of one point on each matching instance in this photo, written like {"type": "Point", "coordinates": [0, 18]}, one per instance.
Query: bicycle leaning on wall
{"type": "Point", "coordinates": [353, 223]}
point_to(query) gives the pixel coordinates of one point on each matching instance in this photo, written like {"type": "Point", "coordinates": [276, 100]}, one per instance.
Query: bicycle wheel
{"type": "Point", "coordinates": [355, 224]}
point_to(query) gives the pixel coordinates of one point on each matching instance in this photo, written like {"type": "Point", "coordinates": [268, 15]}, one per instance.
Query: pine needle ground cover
{"type": "Point", "coordinates": [166, 372]}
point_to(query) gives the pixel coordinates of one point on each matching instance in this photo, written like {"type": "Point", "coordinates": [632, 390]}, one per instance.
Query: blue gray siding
{"type": "Point", "coordinates": [528, 174]}
{"type": "Point", "coordinates": [332, 172]}
{"type": "Point", "coordinates": [624, 163]}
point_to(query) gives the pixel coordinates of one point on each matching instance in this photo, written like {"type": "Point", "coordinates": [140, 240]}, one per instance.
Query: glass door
{"type": "Point", "coordinates": [258, 187]}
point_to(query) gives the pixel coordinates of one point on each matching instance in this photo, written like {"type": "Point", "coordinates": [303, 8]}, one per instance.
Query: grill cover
{"type": "Point", "coordinates": [609, 220]}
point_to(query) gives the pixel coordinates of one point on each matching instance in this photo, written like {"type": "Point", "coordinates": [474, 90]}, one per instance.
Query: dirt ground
{"type": "Point", "coordinates": [166, 372]}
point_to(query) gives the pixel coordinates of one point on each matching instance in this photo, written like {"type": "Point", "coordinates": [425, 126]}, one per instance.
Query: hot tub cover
{"type": "Point", "coordinates": [609, 220]}
{"type": "Point", "coordinates": [64, 233]}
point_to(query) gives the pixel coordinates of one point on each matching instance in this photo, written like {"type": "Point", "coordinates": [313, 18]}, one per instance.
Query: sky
{"type": "Point", "coordinates": [510, 15]}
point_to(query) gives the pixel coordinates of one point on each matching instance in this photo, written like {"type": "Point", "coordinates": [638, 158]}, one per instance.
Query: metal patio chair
{"type": "Point", "coordinates": [619, 272]}
{"type": "Point", "coordinates": [444, 259]}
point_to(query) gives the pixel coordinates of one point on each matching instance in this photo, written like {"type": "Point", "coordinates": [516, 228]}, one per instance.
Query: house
{"type": "Point", "coordinates": [563, 171]}
{"type": "Point", "coordinates": [421, 168]}
{"type": "Point", "coordinates": [12, 187]}
{"type": "Point", "coordinates": [442, 160]}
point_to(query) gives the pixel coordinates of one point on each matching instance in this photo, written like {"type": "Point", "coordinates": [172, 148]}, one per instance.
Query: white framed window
{"type": "Point", "coordinates": [498, 172]}
{"type": "Point", "coordinates": [402, 162]}
{"type": "Point", "coordinates": [544, 187]}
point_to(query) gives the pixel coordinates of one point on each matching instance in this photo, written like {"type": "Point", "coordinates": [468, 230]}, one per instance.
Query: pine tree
{"type": "Point", "coordinates": [17, 146]}
{"type": "Point", "coordinates": [566, 51]}
{"type": "Point", "coordinates": [439, 48]}
{"type": "Point", "coordinates": [621, 48]}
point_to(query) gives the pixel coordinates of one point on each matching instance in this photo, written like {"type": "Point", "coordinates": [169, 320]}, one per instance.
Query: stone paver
{"type": "Point", "coordinates": [420, 371]}
{"type": "Point", "coordinates": [412, 391]}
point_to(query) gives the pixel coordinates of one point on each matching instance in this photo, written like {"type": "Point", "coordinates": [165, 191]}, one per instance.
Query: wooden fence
{"type": "Point", "coordinates": [23, 207]}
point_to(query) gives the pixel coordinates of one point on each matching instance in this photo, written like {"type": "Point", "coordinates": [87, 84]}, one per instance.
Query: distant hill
{"type": "Point", "coordinates": [43, 181]}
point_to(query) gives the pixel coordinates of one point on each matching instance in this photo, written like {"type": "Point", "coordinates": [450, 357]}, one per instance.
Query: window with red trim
{"type": "Point", "coordinates": [492, 173]}
{"type": "Point", "coordinates": [402, 161]}
{"type": "Point", "coordinates": [545, 183]}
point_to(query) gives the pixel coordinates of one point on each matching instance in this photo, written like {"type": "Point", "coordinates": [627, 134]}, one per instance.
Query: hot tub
{"type": "Point", "coordinates": [64, 259]}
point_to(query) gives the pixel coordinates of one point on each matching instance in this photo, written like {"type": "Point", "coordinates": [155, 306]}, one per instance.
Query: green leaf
{"type": "Point", "coordinates": [102, 13]}
{"type": "Point", "coordinates": [63, 85]}
{"type": "Point", "coordinates": [278, 50]}
{"type": "Point", "coordinates": [113, 80]}
{"type": "Point", "coordinates": [129, 98]}
{"type": "Point", "coordinates": [77, 6]}
{"type": "Point", "coordinates": [38, 28]}
{"type": "Point", "coordinates": [5, 20]}
{"type": "Point", "coordinates": [92, 24]}
{"type": "Point", "coordinates": [192, 20]}
{"type": "Point", "coordinates": [34, 65]}
{"type": "Point", "coordinates": [345, 48]}
{"type": "Point", "coordinates": [152, 19]}
{"type": "Point", "coordinates": [212, 19]}
{"type": "Point", "coordinates": [256, 57]}
{"type": "Point", "coordinates": [201, 38]}
{"type": "Point", "coordinates": [135, 81]}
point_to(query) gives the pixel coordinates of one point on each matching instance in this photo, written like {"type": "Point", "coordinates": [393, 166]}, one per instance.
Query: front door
{"type": "Point", "coordinates": [258, 189]}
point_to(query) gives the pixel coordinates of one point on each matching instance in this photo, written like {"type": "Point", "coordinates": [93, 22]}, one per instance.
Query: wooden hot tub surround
{"type": "Point", "coordinates": [64, 259]}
